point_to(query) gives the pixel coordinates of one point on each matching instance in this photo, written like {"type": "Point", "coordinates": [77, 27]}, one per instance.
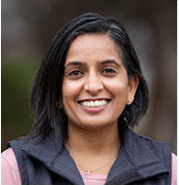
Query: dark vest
{"type": "Point", "coordinates": [141, 161]}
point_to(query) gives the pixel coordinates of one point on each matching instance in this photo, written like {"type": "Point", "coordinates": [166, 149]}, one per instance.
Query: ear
{"type": "Point", "coordinates": [132, 88]}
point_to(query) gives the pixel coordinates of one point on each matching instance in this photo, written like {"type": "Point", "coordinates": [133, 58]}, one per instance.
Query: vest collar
{"type": "Point", "coordinates": [135, 161]}
{"type": "Point", "coordinates": [138, 159]}
{"type": "Point", "coordinates": [55, 158]}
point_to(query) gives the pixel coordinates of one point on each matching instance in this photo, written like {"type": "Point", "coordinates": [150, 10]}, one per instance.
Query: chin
{"type": "Point", "coordinates": [95, 125]}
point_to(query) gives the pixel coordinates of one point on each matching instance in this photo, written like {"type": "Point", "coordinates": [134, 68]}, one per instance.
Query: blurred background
{"type": "Point", "coordinates": [28, 28]}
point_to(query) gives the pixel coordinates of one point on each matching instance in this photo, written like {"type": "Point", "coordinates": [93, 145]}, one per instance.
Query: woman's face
{"type": "Point", "coordinates": [95, 87]}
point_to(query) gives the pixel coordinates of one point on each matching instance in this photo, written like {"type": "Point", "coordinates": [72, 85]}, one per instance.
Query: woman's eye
{"type": "Point", "coordinates": [75, 73]}
{"type": "Point", "coordinates": [108, 71]}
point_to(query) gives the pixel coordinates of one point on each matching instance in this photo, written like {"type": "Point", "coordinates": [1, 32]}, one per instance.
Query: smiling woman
{"type": "Point", "coordinates": [87, 93]}
{"type": "Point", "coordinates": [95, 88]}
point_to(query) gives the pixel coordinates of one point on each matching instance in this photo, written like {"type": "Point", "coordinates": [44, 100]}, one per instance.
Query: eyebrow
{"type": "Point", "coordinates": [108, 61]}
{"type": "Point", "coordinates": [75, 63]}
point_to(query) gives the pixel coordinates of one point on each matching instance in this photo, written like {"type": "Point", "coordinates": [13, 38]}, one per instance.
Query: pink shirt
{"type": "Point", "coordinates": [10, 172]}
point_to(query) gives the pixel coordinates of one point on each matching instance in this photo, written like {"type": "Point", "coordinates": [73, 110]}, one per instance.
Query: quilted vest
{"type": "Point", "coordinates": [141, 161]}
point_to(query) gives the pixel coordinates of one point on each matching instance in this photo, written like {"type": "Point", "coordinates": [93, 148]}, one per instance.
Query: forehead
{"type": "Point", "coordinates": [93, 46]}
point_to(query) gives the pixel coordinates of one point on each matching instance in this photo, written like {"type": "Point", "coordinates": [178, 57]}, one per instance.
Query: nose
{"type": "Point", "coordinates": [93, 84]}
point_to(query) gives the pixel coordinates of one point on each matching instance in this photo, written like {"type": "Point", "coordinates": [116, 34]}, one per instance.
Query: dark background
{"type": "Point", "coordinates": [28, 28]}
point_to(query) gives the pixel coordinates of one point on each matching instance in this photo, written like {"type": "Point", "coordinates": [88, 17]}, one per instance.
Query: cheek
{"type": "Point", "coordinates": [118, 88]}
{"type": "Point", "coordinates": [70, 90]}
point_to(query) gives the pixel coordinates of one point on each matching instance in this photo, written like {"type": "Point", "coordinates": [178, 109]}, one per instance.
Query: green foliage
{"type": "Point", "coordinates": [16, 80]}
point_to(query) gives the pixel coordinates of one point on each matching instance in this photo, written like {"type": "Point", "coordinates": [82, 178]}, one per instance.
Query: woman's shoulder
{"type": "Point", "coordinates": [153, 151]}
{"type": "Point", "coordinates": [9, 168]}
{"type": "Point", "coordinates": [144, 142]}
{"type": "Point", "coordinates": [174, 169]}
{"type": "Point", "coordinates": [23, 142]}
{"type": "Point", "coordinates": [8, 154]}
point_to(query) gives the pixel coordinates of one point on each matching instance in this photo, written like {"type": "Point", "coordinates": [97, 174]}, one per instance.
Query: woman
{"type": "Point", "coordinates": [88, 91]}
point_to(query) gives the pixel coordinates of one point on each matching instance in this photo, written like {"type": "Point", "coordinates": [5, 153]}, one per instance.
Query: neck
{"type": "Point", "coordinates": [94, 141]}
{"type": "Point", "coordinates": [92, 148]}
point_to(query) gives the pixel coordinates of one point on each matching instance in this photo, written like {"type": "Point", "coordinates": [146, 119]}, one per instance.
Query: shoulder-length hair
{"type": "Point", "coordinates": [46, 92]}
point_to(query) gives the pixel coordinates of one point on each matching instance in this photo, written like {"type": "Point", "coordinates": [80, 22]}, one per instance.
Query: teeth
{"type": "Point", "coordinates": [91, 104]}
{"type": "Point", "coordinates": [94, 103]}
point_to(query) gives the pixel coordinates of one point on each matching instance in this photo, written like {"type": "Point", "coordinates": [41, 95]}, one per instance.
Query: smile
{"type": "Point", "coordinates": [94, 104]}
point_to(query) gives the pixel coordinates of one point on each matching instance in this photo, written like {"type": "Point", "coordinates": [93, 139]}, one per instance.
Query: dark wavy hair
{"type": "Point", "coordinates": [46, 92]}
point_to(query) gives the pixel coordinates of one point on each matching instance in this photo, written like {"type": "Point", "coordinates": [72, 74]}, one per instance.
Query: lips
{"type": "Point", "coordinates": [94, 103]}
